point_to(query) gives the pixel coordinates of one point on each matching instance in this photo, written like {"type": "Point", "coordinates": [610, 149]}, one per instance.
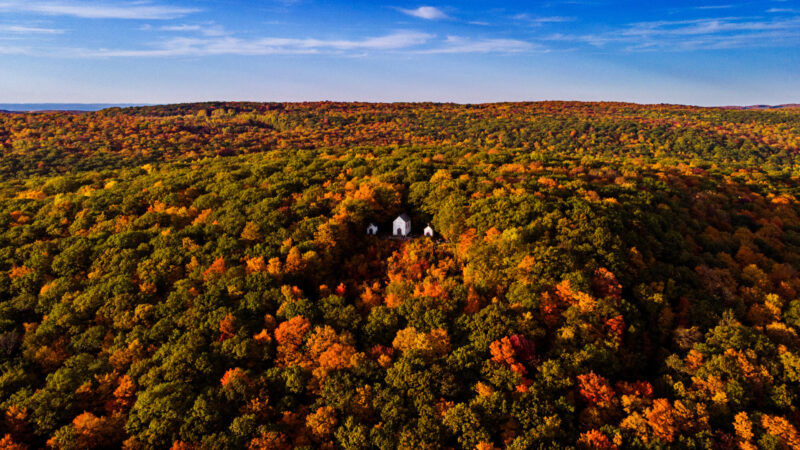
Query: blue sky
{"type": "Point", "coordinates": [157, 51]}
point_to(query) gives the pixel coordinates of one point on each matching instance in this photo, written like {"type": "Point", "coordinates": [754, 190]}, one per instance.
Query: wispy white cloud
{"type": "Point", "coordinates": [14, 50]}
{"type": "Point", "coordinates": [228, 45]}
{"type": "Point", "coordinates": [409, 42]}
{"type": "Point", "coordinates": [17, 29]}
{"type": "Point", "coordinates": [144, 10]}
{"type": "Point", "coordinates": [709, 26]}
{"type": "Point", "coordinates": [205, 30]}
{"type": "Point", "coordinates": [425, 12]}
{"type": "Point", "coordinates": [707, 7]}
{"type": "Point", "coordinates": [178, 28]}
{"type": "Point", "coordinates": [696, 34]}
{"type": "Point", "coordinates": [539, 20]}
{"type": "Point", "coordinates": [457, 44]}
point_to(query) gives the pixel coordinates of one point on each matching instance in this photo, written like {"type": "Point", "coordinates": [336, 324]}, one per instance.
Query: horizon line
{"type": "Point", "coordinates": [57, 105]}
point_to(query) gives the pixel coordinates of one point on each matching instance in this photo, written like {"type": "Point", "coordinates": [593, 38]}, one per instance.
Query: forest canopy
{"type": "Point", "coordinates": [603, 275]}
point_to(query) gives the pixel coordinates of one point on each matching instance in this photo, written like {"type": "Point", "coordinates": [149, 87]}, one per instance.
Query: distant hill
{"type": "Point", "coordinates": [82, 107]}
{"type": "Point", "coordinates": [785, 106]}
{"type": "Point", "coordinates": [92, 107]}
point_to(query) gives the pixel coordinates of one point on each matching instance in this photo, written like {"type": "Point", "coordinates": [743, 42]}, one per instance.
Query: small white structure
{"type": "Point", "coordinates": [372, 229]}
{"type": "Point", "coordinates": [402, 225]}
{"type": "Point", "coordinates": [428, 231]}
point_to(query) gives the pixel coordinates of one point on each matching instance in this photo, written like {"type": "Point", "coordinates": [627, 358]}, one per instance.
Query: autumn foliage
{"type": "Point", "coordinates": [603, 275]}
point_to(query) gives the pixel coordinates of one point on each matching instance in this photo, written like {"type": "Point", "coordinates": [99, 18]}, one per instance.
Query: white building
{"type": "Point", "coordinates": [402, 225]}
{"type": "Point", "coordinates": [372, 229]}
{"type": "Point", "coordinates": [428, 231]}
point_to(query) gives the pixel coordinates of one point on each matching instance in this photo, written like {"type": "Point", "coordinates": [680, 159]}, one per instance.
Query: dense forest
{"type": "Point", "coordinates": [198, 276]}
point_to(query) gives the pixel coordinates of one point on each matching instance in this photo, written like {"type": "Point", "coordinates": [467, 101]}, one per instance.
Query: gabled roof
{"type": "Point", "coordinates": [405, 217]}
